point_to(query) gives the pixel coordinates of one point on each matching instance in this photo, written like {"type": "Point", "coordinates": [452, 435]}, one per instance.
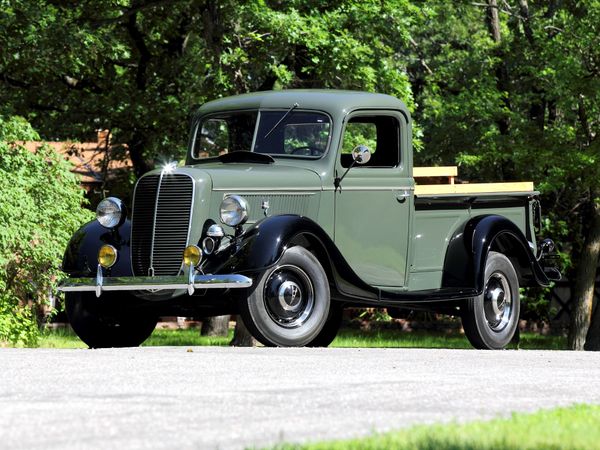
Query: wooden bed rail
{"type": "Point", "coordinates": [450, 172]}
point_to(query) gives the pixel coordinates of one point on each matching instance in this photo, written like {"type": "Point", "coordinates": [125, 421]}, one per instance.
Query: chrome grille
{"type": "Point", "coordinates": [159, 238]}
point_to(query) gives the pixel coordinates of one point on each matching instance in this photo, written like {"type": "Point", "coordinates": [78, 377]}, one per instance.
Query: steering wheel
{"type": "Point", "coordinates": [312, 151]}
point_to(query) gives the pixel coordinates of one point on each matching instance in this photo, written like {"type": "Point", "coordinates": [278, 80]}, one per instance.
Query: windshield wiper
{"type": "Point", "coordinates": [294, 106]}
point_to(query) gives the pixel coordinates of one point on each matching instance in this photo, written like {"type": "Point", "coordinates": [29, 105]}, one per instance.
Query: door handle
{"type": "Point", "coordinates": [402, 196]}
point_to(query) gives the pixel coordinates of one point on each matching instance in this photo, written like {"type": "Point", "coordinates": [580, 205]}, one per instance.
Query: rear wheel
{"type": "Point", "coordinates": [289, 304]}
{"type": "Point", "coordinates": [490, 320]}
{"type": "Point", "coordinates": [101, 323]}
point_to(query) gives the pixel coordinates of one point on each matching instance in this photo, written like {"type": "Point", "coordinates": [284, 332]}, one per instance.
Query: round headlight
{"type": "Point", "coordinates": [107, 256]}
{"type": "Point", "coordinates": [234, 210]}
{"type": "Point", "coordinates": [110, 212]}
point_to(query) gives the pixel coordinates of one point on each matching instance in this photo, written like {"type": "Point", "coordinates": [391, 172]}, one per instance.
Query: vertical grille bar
{"type": "Point", "coordinates": [142, 222]}
{"type": "Point", "coordinates": [171, 223]}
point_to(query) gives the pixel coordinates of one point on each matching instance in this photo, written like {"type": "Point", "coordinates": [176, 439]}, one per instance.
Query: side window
{"type": "Point", "coordinates": [380, 133]}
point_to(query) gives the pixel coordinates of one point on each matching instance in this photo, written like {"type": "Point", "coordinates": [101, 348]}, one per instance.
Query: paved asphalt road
{"type": "Point", "coordinates": [240, 397]}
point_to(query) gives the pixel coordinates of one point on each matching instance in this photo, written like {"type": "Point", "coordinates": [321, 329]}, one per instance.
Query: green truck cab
{"type": "Point", "coordinates": [293, 205]}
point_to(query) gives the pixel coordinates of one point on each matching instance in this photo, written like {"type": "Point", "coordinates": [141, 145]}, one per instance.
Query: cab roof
{"type": "Point", "coordinates": [331, 101]}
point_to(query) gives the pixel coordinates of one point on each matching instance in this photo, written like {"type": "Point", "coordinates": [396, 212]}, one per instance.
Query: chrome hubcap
{"type": "Point", "coordinates": [497, 302]}
{"type": "Point", "coordinates": [289, 296]}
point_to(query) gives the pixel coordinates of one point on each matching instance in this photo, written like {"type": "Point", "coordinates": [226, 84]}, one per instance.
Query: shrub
{"type": "Point", "coordinates": [40, 207]}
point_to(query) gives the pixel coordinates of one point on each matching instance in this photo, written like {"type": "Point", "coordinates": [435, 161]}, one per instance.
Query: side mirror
{"type": "Point", "coordinates": [361, 154]}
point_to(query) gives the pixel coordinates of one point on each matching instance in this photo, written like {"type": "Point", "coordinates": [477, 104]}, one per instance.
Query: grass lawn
{"type": "Point", "coordinates": [564, 428]}
{"type": "Point", "coordinates": [425, 339]}
{"type": "Point", "coordinates": [65, 338]}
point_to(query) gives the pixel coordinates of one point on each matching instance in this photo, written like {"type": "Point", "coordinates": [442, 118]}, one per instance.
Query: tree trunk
{"type": "Point", "coordinates": [592, 341]}
{"type": "Point", "coordinates": [526, 18]}
{"type": "Point", "coordinates": [136, 146]}
{"type": "Point", "coordinates": [585, 278]}
{"type": "Point", "coordinates": [241, 335]}
{"type": "Point", "coordinates": [493, 20]}
{"type": "Point", "coordinates": [502, 79]}
{"type": "Point", "coordinates": [215, 326]}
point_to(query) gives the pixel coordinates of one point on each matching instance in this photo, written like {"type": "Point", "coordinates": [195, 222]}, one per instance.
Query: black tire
{"type": "Point", "coordinates": [491, 319]}
{"type": "Point", "coordinates": [288, 305]}
{"type": "Point", "coordinates": [331, 327]}
{"type": "Point", "coordinates": [101, 323]}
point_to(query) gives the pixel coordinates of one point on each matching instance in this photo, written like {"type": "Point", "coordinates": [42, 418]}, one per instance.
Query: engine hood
{"type": "Point", "coordinates": [251, 177]}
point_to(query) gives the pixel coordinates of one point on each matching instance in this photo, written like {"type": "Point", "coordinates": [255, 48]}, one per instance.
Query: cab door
{"type": "Point", "coordinates": [374, 201]}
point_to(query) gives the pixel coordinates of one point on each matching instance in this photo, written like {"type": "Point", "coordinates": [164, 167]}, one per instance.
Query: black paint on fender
{"type": "Point", "coordinates": [262, 245]}
{"type": "Point", "coordinates": [468, 250]}
{"type": "Point", "coordinates": [81, 256]}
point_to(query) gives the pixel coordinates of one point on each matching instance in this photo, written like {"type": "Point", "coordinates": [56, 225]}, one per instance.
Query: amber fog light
{"type": "Point", "coordinates": [192, 256]}
{"type": "Point", "coordinates": [107, 256]}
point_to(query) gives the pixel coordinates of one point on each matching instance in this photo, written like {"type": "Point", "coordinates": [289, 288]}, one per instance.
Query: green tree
{"type": "Point", "coordinates": [139, 68]}
{"type": "Point", "coordinates": [40, 207]}
{"type": "Point", "coordinates": [510, 91]}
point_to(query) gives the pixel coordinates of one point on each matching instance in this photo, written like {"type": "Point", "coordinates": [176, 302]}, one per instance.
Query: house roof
{"type": "Point", "coordinates": [88, 158]}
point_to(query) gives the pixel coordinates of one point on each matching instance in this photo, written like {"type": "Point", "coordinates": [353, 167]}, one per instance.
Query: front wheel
{"type": "Point", "coordinates": [289, 304]}
{"type": "Point", "coordinates": [102, 322]}
{"type": "Point", "coordinates": [331, 327]}
{"type": "Point", "coordinates": [490, 320]}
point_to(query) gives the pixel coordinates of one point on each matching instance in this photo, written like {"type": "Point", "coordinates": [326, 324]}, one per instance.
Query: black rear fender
{"type": "Point", "coordinates": [464, 265]}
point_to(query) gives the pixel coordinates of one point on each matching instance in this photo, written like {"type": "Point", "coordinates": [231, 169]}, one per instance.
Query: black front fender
{"type": "Point", "coordinates": [263, 244]}
{"type": "Point", "coordinates": [464, 265]}
{"type": "Point", "coordinates": [81, 256]}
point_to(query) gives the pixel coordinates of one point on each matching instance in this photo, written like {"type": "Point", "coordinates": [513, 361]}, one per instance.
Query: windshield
{"type": "Point", "coordinates": [300, 134]}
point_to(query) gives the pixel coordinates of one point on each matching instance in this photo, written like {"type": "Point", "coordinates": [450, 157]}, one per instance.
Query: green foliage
{"type": "Point", "coordinates": [40, 207]}
{"type": "Point", "coordinates": [525, 106]}
{"type": "Point", "coordinates": [561, 428]}
{"type": "Point", "coordinates": [139, 68]}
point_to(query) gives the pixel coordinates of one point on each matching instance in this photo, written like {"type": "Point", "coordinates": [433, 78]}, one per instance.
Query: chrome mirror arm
{"type": "Point", "coordinates": [360, 155]}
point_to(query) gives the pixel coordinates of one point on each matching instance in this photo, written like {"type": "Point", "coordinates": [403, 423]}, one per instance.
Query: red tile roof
{"type": "Point", "coordinates": [88, 158]}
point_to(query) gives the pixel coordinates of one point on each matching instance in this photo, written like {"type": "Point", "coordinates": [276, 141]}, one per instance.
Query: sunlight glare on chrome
{"type": "Point", "coordinates": [169, 167]}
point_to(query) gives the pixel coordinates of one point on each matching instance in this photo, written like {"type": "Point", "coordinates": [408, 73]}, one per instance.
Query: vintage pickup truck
{"type": "Point", "coordinates": [291, 206]}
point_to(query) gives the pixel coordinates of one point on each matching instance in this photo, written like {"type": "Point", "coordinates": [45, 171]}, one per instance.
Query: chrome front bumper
{"type": "Point", "coordinates": [158, 283]}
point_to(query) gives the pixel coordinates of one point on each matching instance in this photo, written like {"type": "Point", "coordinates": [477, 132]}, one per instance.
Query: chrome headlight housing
{"type": "Point", "coordinates": [111, 212]}
{"type": "Point", "coordinates": [234, 210]}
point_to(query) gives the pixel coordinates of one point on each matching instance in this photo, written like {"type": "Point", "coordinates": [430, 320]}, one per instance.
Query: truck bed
{"type": "Point", "coordinates": [441, 206]}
